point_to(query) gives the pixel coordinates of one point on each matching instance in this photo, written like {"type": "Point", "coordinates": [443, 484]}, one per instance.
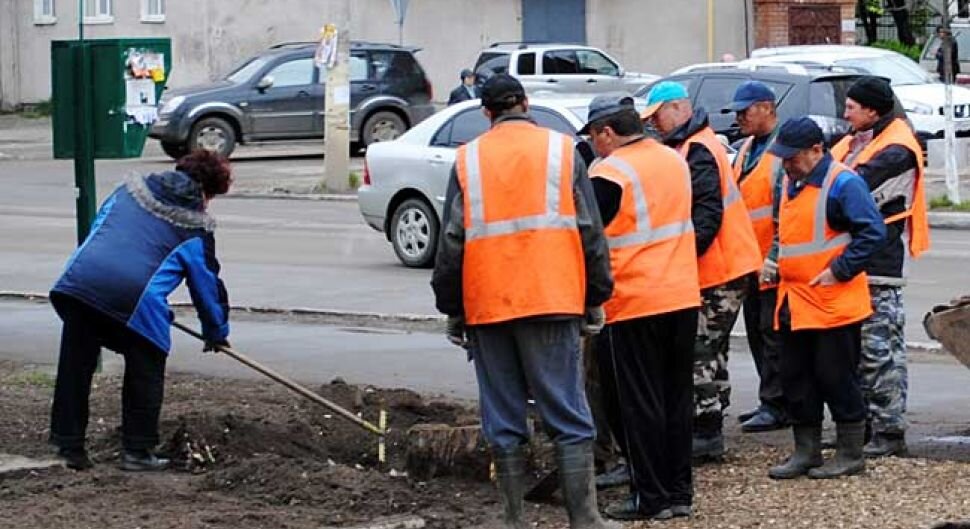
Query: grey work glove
{"type": "Point", "coordinates": [456, 332]}
{"type": "Point", "coordinates": [593, 321]}
{"type": "Point", "coordinates": [769, 272]}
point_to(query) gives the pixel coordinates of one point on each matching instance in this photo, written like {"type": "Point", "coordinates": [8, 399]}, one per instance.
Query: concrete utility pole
{"type": "Point", "coordinates": [949, 133]}
{"type": "Point", "coordinates": [337, 108]}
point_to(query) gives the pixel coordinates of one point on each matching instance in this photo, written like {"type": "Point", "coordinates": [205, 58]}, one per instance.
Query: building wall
{"type": "Point", "coordinates": [772, 20]}
{"type": "Point", "coordinates": [210, 36]}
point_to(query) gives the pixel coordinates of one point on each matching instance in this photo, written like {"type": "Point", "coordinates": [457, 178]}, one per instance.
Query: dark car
{"type": "Point", "coordinates": [819, 94]}
{"type": "Point", "coordinates": [279, 95]}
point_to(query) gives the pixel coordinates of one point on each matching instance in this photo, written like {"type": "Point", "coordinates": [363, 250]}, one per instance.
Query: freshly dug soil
{"type": "Point", "coordinates": [250, 454]}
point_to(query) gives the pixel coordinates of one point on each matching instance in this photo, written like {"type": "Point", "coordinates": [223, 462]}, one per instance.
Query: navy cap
{"type": "Point", "coordinates": [501, 92]}
{"type": "Point", "coordinates": [604, 106]}
{"type": "Point", "coordinates": [749, 93]}
{"type": "Point", "coordinates": [796, 135]}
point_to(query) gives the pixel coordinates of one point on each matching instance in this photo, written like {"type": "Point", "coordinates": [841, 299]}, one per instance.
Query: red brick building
{"type": "Point", "coordinates": [784, 22]}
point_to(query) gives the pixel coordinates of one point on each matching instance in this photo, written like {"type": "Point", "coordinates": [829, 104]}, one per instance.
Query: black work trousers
{"type": "Point", "coordinates": [86, 330]}
{"type": "Point", "coordinates": [647, 365]}
{"type": "Point", "coordinates": [765, 344]}
{"type": "Point", "coordinates": [821, 367]}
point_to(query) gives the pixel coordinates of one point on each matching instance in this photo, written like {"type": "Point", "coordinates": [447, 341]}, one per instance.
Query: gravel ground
{"type": "Point", "coordinates": [280, 463]}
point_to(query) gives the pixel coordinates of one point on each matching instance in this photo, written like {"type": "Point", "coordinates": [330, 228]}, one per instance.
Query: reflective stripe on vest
{"type": "Point", "coordinates": [818, 243]}
{"type": "Point", "coordinates": [551, 219]}
{"type": "Point", "coordinates": [645, 232]}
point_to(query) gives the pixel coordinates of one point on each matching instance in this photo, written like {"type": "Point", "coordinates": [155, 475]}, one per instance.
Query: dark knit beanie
{"type": "Point", "coordinates": [873, 92]}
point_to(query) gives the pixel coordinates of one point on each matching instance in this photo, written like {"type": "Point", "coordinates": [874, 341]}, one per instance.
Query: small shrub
{"type": "Point", "coordinates": [913, 52]}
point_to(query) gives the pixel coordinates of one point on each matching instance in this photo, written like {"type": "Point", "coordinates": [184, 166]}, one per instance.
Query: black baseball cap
{"type": "Point", "coordinates": [501, 92]}
{"type": "Point", "coordinates": [796, 135]}
{"type": "Point", "coordinates": [606, 105]}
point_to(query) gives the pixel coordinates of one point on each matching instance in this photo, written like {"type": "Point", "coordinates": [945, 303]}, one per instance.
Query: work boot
{"type": "Point", "coordinates": [681, 511]}
{"type": "Point", "coordinates": [848, 458]}
{"type": "Point", "coordinates": [630, 510]}
{"type": "Point", "coordinates": [620, 475]}
{"type": "Point", "coordinates": [510, 473]}
{"type": "Point", "coordinates": [763, 421]}
{"type": "Point", "coordinates": [808, 453]}
{"type": "Point", "coordinates": [75, 458]}
{"type": "Point", "coordinates": [142, 461]}
{"type": "Point", "coordinates": [708, 448]}
{"type": "Point", "coordinates": [746, 416]}
{"type": "Point", "coordinates": [576, 479]}
{"type": "Point", "coordinates": [885, 444]}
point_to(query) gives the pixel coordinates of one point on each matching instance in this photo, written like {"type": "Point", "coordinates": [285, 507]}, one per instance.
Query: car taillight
{"type": "Point", "coordinates": [429, 89]}
{"type": "Point", "coordinates": [366, 173]}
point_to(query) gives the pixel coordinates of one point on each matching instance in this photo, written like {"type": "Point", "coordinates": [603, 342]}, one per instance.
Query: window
{"type": "Point", "coordinates": [297, 72]}
{"type": "Point", "coordinates": [490, 64]}
{"type": "Point", "coordinates": [595, 63]}
{"type": "Point", "coordinates": [552, 120]}
{"type": "Point", "coordinates": [358, 68]}
{"type": "Point", "coordinates": [462, 129]}
{"type": "Point", "coordinates": [246, 70]}
{"type": "Point", "coordinates": [717, 92]}
{"type": "Point", "coordinates": [153, 11]}
{"type": "Point", "coordinates": [560, 62]}
{"type": "Point", "coordinates": [98, 12]}
{"type": "Point", "coordinates": [527, 64]}
{"type": "Point", "coordinates": [44, 12]}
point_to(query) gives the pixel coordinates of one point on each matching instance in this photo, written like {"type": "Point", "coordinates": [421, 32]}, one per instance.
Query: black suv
{"type": "Point", "coordinates": [278, 95]}
{"type": "Point", "coordinates": [818, 94]}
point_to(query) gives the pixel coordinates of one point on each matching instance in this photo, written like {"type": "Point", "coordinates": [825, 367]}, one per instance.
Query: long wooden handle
{"type": "Point", "coordinates": [336, 408]}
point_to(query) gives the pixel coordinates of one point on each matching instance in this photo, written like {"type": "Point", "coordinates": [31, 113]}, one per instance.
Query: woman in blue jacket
{"type": "Point", "coordinates": [151, 233]}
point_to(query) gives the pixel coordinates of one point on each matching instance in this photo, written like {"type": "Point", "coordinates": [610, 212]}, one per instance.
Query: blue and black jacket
{"type": "Point", "coordinates": [151, 233]}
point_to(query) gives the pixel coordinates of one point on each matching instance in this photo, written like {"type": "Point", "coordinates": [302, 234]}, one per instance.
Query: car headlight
{"type": "Point", "coordinates": [917, 108]}
{"type": "Point", "coordinates": [172, 104]}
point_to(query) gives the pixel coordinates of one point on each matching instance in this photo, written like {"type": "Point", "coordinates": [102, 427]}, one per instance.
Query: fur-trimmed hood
{"type": "Point", "coordinates": [172, 196]}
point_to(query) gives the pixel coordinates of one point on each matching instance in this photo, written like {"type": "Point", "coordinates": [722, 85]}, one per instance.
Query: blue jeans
{"type": "Point", "coordinates": [540, 359]}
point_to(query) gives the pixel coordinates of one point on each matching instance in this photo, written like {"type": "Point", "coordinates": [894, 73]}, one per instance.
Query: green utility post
{"type": "Point", "coordinates": [85, 188]}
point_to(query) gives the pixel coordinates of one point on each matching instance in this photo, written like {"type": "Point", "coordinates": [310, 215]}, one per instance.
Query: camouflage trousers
{"type": "Point", "coordinates": [720, 306]}
{"type": "Point", "coordinates": [882, 366]}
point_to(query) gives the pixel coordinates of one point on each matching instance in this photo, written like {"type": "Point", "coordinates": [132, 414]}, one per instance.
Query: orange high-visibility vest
{"type": "Point", "coordinates": [807, 246]}
{"type": "Point", "coordinates": [897, 133]}
{"type": "Point", "coordinates": [757, 190]}
{"type": "Point", "coordinates": [651, 239]}
{"type": "Point", "coordinates": [734, 251]}
{"type": "Point", "coordinates": [523, 254]}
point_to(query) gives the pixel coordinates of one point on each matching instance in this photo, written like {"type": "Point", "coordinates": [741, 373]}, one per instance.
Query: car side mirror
{"type": "Point", "coordinates": [264, 83]}
{"type": "Point", "coordinates": [621, 72]}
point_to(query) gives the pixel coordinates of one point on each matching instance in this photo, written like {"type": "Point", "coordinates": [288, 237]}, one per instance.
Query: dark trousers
{"type": "Point", "coordinates": [820, 367]}
{"type": "Point", "coordinates": [646, 366]}
{"type": "Point", "coordinates": [86, 330]}
{"type": "Point", "coordinates": [765, 344]}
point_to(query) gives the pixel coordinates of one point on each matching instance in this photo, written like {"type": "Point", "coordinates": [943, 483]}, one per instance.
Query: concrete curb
{"type": "Point", "coordinates": [323, 197]}
{"type": "Point", "coordinates": [949, 220]}
{"type": "Point", "coordinates": [430, 322]}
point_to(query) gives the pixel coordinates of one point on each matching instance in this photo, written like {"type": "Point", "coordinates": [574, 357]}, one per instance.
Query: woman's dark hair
{"type": "Point", "coordinates": [207, 168]}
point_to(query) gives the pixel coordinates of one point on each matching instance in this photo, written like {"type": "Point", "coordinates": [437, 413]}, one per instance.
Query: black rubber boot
{"type": "Point", "coordinates": [808, 453]}
{"type": "Point", "coordinates": [510, 473]}
{"type": "Point", "coordinates": [75, 458]}
{"type": "Point", "coordinates": [885, 444]}
{"type": "Point", "coordinates": [142, 461]}
{"type": "Point", "coordinates": [576, 479]}
{"type": "Point", "coordinates": [848, 458]}
{"type": "Point", "coordinates": [706, 449]}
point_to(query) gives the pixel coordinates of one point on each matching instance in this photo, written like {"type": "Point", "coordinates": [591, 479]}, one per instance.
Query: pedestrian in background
{"type": "Point", "coordinates": [150, 234]}
{"type": "Point", "coordinates": [828, 229]}
{"type": "Point", "coordinates": [466, 91]}
{"type": "Point", "coordinates": [522, 260]}
{"type": "Point", "coordinates": [727, 253]}
{"type": "Point", "coordinates": [941, 34]}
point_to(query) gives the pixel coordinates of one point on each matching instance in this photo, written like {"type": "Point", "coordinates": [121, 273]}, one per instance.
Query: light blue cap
{"type": "Point", "coordinates": [663, 92]}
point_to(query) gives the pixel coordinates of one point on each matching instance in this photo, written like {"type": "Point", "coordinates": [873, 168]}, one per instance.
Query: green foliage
{"type": "Point", "coordinates": [37, 110]}
{"type": "Point", "coordinates": [943, 202]}
{"type": "Point", "coordinates": [353, 179]}
{"type": "Point", "coordinates": [38, 379]}
{"type": "Point", "coordinates": [874, 6]}
{"type": "Point", "coordinates": [913, 52]}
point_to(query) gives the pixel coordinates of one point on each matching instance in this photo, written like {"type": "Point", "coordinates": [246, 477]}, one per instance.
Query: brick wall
{"type": "Point", "coordinates": [771, 20]}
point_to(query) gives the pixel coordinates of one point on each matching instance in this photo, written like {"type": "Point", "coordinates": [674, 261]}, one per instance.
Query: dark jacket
{"type": "Point", "coordinates": [954, 59]}
{"type": "Point", "coordinates": [893, 165]}
{"type": "Point", "coordinates": [150, 234]}
{"type": "Point", "coordinates": [848, 208]}
{"type": "Point", "coordinates": [461, 94]}
{"type": "Point", "coordinates": [446, 279]}
{"type": "Point", "coordinates": [707, 207]}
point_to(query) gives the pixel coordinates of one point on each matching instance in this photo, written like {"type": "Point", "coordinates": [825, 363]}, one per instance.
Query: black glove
{"type": "Point", "coordinates": [212, 346]}
{"type": "Point", "coordinates": [456, 332]}
{"type": "Point", "coordinates": [593, 321]}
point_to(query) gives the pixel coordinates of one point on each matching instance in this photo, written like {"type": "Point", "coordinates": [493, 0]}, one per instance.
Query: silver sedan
{"type": "Point", "coordinates": [405, 180]}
